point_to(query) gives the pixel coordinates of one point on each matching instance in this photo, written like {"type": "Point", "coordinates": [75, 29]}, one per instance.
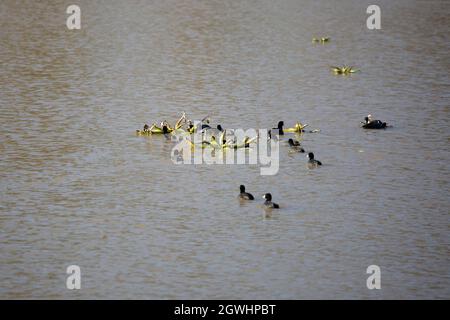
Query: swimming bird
{"type": "Point", "coordinates": [373, 124]}
{"type": "Point", "coordinates": [280, 128]}
{"type": "Point", "coordinates": [165, 127]}
{"type": "Point", "coordinates": [268, 203]}
{"type": "Point", "coordinates": [295, 145]}
{"type": "Point", "coordinates": [245, 195]}
{"type": "Point", "coordinates": [313, 163]}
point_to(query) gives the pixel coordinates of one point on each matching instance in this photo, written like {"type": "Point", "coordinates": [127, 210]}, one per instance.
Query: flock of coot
{"type": "Point", "coordinates": [187, 126]}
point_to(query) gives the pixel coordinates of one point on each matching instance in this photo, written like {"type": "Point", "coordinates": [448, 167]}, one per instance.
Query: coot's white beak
{"type": "Point", "coordinates": [264, 197]}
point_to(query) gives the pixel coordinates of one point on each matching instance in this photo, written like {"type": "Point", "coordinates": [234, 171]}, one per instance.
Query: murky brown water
{"type": "Point", "coordinates": [78, 187]}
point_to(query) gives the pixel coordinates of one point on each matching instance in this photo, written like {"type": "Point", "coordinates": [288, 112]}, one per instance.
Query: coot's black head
{"type": "Point", "coordinates": [145, 127]}
{"type": "Point", "coordinates": [290, 141]}
{"type": "Point", "coordinates": [242, 187]}
{"type": "Point", "coordinates": [268, 197]}
{"type": "Point", "coordinates": [165, 129]}
{"type": "Point", "coordinates": [366, 119]}
{"type": "Point", "coordinates": [280, 124]}
{"type": "Point", "coordinates": [311, 156]}
{"type": "Point", "coordinates": [269, 133]}
{"type": "Point", "coordinates": [219, 127]}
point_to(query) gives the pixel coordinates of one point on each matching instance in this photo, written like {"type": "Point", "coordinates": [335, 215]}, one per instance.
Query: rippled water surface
{"type": "Point", "coordinates": [79, 187]}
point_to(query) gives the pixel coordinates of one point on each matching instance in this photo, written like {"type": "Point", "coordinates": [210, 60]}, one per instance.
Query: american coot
{"type": "Point", "coordinates": [280, 128]}
{"type": "Point", "coordinates": [268, 203]}
{"type": "Point", "coordinates": [245, 195]}
{"type": "Point", "coordinates": [312, 163]}
{"type": "Point", "coordinates": [295, 145]}
{"type": "Point", "coordinates": [373, 124]}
